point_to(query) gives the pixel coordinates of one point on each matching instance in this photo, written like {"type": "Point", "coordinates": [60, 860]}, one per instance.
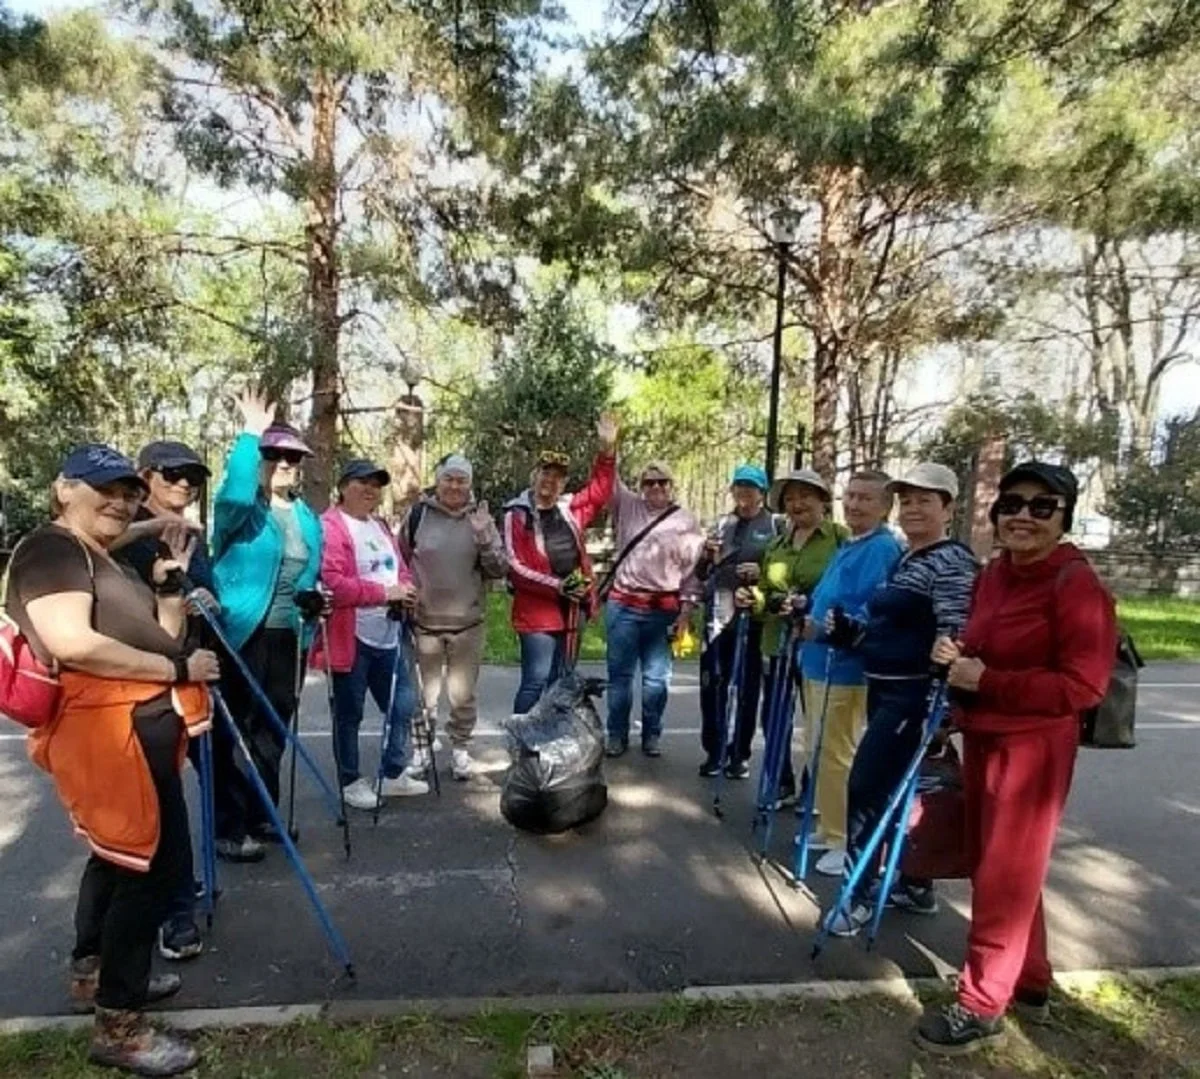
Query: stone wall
{"type": "Point", "coordinates": [1141, 573]}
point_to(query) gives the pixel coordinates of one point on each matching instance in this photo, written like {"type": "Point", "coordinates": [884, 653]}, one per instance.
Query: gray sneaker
{"type": "Point", "coordinates": [615, 746]}
{"type": "Point", "coordinates": [650, 746]}
{"type": "Point", "coordinates": [246, 849]}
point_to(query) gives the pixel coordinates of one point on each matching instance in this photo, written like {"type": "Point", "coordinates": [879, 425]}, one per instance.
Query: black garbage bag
{"type": "Point", "coordinates": [1110, 724]}
{"type": "Point", "coordinates": [555, 780]}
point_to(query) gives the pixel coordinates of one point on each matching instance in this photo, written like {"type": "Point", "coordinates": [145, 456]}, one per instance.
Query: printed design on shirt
{"type": "Point", "coordinates": [380, 556]}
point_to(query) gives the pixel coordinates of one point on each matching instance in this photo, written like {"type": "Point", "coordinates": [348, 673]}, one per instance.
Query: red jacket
{"type": "Point", "coordinates": [1047, 634]}
{"type": "Point", "coordinates": [537, 602]}
{"type": "Point", "coordinates": [339, 574]}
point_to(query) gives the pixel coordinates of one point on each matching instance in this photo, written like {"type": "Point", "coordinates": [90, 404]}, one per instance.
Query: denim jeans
{"type": "Point", "coordinates": [542, 657]}
{"type": "Point", "coordinates": [373, 671]}
{"type": "Point", "coordinates": [895, 721]}
{"type": "Point", "coordinates": [637, 636]}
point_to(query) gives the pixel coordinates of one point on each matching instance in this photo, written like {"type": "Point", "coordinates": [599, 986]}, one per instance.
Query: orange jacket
{"type": "Point", "coordinates": [98, 766]}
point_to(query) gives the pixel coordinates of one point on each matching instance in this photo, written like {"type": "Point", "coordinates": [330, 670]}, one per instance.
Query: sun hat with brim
{"type": "Point", "coordinates": [362, 469]}
{"type": "Point", "coordinates": [155, 456]}
{"type": "Point", "coordinates": [927, 476]}
{"type": "Point", "coordinates": [806, 476]}
{"type": "Point", "coordinates": [750, 476]}
{"type": "Point", "coordinates": [283, 436]}
{"type": "Point", "coordinates": [98, 465]}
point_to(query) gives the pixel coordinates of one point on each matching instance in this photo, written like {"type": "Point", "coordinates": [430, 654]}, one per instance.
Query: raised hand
{"type": "Point", "coordinates": [258, 413]}
{"type": "Point", "coordinates": [606, 431]}
{"type": "Point", "coordinates": [181, 541]}
{"type": "Point", "coordinates": [481, 522]}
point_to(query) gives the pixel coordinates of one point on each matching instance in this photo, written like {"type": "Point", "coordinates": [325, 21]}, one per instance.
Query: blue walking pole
{"type": "Point", "coordinates": [902, 795]}
{"type": "Point", "coordinates": [264, 702]}
{"type": "Point", "coordinates": [768, 780]}
{"type": "Point", "coordinates": [336, 944]}
{"type": "Point", "coordinates": [733, 695]}
{"type": "Point", "coordinates": [934, 718]}
{"type": "Point", "coordinates": [782, 745]}
{"type": "Point", "coordinates": [804, 835]}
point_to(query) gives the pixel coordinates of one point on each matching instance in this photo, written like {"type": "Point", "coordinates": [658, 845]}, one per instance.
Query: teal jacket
{"type": "Point", "coordinates": [247, 545]}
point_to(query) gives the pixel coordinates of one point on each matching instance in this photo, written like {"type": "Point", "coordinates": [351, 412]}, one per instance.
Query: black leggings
{"type": "Point", "coordinates": [119, 910]}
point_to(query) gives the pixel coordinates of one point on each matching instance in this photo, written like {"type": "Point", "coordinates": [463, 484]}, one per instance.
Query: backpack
{"type": "Point", "coordinates": [29, 689]}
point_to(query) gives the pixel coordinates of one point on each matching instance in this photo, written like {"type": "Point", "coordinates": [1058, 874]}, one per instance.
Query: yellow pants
{"type": "Point", "coordinates": [845, 718]}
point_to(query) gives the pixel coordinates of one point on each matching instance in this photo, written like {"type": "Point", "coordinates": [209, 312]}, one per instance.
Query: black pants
{"type": "Point", "coordinates": [716, 666]}
{"type": "Point", "coordinates": [119, 910]}
{"type": "Point", "coordinates": [787, 775]}
{"type": "Point", "coordinates": [895, 722]}
{"type": "Point", "coordinates": [270, 655]}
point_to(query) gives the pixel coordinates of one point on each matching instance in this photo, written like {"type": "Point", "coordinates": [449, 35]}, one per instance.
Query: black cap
{"type": "Point", "coordinates": [1056, 479]}
{"type": "Point", "coordinates": [362, 469]}
{"type": "Point", "coordinates": [97, 465]}
{"type": "Point", "coordinates": [159, 455]}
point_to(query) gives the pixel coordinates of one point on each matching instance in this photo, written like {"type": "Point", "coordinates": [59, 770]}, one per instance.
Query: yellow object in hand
{"type": "Point", "coordinates": [684, 644]}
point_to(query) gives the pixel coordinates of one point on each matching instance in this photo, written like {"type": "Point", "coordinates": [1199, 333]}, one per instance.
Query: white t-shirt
{"type": "Point", "coordinates": [376, 558]}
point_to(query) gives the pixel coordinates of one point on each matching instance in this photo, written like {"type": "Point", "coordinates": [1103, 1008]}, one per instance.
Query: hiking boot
{"type": "Point", "coordinates": [179, 939]}
{"type": "Point", "coordinates": [126, 1040]}
{"type": "Point", "coordinates": [737, 770]}
{"type": "Point", "coordinates": [360, 795]}
{"type": "Point", "coordinates": [848, 924]}
{"type": "Point", "coordinates": [615, 747]}
{"type": "Point", "coordinates": [651, 746]}
{"type": "Point", "coordinates": [461, 765]}
{"type": "Point", "coordinates": [404, 785]}
{"type": "Point", "coordinates": [914, 898]}
{"type": "Point", "coordinates": [246, 849]}
{"type": "Point", "coordinates": [85, 979]}
{"type": "Point", "coordinates": [956, 1031]}
{"type": "Point", "coordinates": [1033, 1005]}
{"type": "Point", "coordinates": [711, 767]}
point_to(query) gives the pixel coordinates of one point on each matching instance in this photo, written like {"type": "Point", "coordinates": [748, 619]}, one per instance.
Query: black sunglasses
{"type": "Point", "coordinates": [174, 474]}
{"type": "Point", "coordinates": [291, 457]}
{"type": "Point", "coordinates": [1041, 507]}
{"type": "Point", "coordinates": [654, 482]}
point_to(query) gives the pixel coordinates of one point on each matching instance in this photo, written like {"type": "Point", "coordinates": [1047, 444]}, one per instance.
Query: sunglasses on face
{"type": "Point", "coordinates": [193, 477]}
{"type": "Point", "coordinates": [1041, 507]}
{"type": "Point", "coordinates": [651, 481]}
{"type": "Point", "coordinates": [288, 457]}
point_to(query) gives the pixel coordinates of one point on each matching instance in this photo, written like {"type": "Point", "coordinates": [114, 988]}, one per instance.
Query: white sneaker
{"type": "Point", "coordinates": [403, 786]}
{"type": "Point", "coordinates": [461, 765]}
{"type": "Point", "coordinates": [360, 795]}
{"type": "Point", "coordinates": [832, 863]}
{"type": "Point", "coordinates": [419, 765]}
{"type": "Point", "coordinates": [848, 925]}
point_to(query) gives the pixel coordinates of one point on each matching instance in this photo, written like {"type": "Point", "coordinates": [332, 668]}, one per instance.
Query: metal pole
{"type": "Point", "coordinates": [776, 361]}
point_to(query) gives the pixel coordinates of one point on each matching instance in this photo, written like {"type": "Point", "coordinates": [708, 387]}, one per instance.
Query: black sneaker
{"type": "Point", "coordinates": [786, 798]}
{"type": "Point", "coordinates": [1032, 1004]}
{"type": "Point", "coordinates": [616, 747]}
{"type": "Point", "coordinates": [650, 746]}
{"type": "Point", "coordinates": [711, 767]}
{"type": "Point", "coordinates": [956, 1031]}
{"type": "Point", "coordinates": [737, 770]}
{"type": "Point", "coordinates": [179, 939]}
{"type": "Point", "coordinates": [914, 898]}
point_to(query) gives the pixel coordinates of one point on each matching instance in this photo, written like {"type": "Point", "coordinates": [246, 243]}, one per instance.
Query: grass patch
{"type": "Point", "coordinates": [501, 645]}
{"type": "Point", "coordinates": [1164, 627]}
{"type": "Point", "coordinates": [1117, 1029]}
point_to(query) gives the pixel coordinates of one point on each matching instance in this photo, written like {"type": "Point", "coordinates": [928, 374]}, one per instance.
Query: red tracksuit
{"type": "Point", "coordinates": [1047, 635]}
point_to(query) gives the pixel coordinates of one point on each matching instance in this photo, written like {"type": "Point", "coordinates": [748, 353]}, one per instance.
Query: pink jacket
{"type": "Point", "coordinates": [339, 575]}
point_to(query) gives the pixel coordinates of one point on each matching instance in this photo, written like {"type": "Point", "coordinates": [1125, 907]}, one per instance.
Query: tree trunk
{"type": "Point", "coordinates": [321, 233]}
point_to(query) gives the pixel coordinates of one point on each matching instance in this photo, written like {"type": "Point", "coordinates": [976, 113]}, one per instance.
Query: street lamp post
{"type": "Point", "coordinates": [783, 235]}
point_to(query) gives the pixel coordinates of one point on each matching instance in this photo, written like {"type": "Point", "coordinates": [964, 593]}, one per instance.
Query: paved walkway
{"type": "Point", "coordinates": [444, 898]}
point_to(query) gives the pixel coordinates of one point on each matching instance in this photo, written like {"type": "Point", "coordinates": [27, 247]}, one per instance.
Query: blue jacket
{"type": "Point", "coordinates": [858, 568]}
{"type": "Point", "coordinates": [247, 545]}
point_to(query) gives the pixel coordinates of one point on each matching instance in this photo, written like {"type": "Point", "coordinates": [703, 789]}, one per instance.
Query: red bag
{"type": "Point", "coordinates": [29, 690]}
{"type": "Point", "coordinates": [936, 844]}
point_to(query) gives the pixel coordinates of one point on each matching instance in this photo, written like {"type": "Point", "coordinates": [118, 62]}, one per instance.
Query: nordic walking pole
{"type": "Point", "coordinates": [733, 691]}
{"type": "Point", "coordinates": [260, 696]}
{"type": "Point", "coordinates": [344, 817]}
{"type": "Point", "coordinates": [426, 721]}
{"type": "Point", "coordinates": [800, 868]}
{"type": "Point", "coordinates": [933, 718]}
{"type": "Point", "coordinates": [779, 741]}
{"type": "Point", "coordinates": [388, 731]}
{"type": "Point", "coordinates": [208, 856]}
{"type": "Point", "coordinates": [902, 793]}
{"type": "Point", "coordinates": [336, 944]}
{"type": "Point", "coordinates": [768, 775]}
{"type": "Point", "coordinates": [299, 688]}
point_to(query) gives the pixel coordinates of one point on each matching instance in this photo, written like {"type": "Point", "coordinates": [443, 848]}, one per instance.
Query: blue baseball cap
{"type": "Point", "coordinates": [362, 469]}
{"type": "Point", "coordinates": [751, 475]}
{"type": "Point", "coordinates": [97, 465]}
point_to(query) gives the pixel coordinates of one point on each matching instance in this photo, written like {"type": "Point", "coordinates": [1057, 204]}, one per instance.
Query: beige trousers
{"type": "Point", "coordinates": [452, 660]}
{"type": "Point", "coordinates": [845, 720]}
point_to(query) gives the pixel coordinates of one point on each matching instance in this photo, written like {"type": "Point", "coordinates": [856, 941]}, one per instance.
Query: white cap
{"type": "Point", "coordinates": [809, 477]}
{"type": "Point", "coordinates": [928, 476]}
{"type": "Point", "coordinates": [456, 463]}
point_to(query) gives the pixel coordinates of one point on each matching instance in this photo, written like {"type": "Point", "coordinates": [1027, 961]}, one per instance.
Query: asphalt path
{"type": "Point", "coordinates": [444, 898]}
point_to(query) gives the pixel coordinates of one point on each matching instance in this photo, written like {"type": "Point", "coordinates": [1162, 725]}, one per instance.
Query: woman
{"type": "Point", "coordinates": [1037, 651]}
{"type": "Point", "coordinates": [731, 562]}
{"type": "Point", "coordinates": [549, 568]}
{"type": "Point", "coordinates": [266, 549]}
{"type": "Point", "coordinates": [792, 566]}
{"type": "Point", "coordinates": [366, 576]}
{"type": "Point", "coordinates": [130, 699]}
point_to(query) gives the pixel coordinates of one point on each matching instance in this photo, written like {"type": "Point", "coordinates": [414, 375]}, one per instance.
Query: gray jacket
{"type": "Point", "coordinates": [451, 569]}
